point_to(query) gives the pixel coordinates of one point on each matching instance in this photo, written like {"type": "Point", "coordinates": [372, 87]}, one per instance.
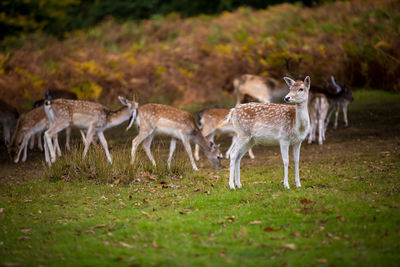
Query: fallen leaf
{"type": "Point", "coordinates": [23, 238]}
{"type": "Point", "coordinates": [1, 210]}
{"type": "Point", "coordinates": [106, 243]}
{"type": "Point", "coordinates": [99, 226]}
{"type": "Point", "coordinates": [117, 181]}
{"type": "Point", "coordinates": [322, 260]}
{"type": "Point", "coordinates": [231, 219]}
{"type": "Point", "coordinates": [340, 218]}
{"type": "Point", "coordinates": [290, 246]}
{"type": "Point", "coordinates": [254, 222]}
{"type": "Point", "coordinates": [26, 231]}
{"type": "Point", "coordinates": [155, 245]}
{"type": "Point", "coordinates": [270, 229]}
{"type": "Point", "coordinates": [306, 201]}
{"type": "Point", "coordinates": [125, 245]}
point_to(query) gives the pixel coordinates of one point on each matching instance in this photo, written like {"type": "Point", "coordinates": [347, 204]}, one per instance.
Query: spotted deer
{"type": "Point", "coordinates": [318, 106]}
{"type": "Point", "coordinates": [157, 119]}
{"type": "Point", "coordinates": [209, 120]}
{"type": "Point", "coordinates": [52, 94]}
{"type": "Point", "coordinates": [264, 89]}
{"type": "Point", "coordinates": [30, 124]}
{"type": "Point", "coordinates": [8, 119]}
{"type": "Point", "coordinates": [265, 123]}
{"type": "Point", "coordinates": [93, 117]}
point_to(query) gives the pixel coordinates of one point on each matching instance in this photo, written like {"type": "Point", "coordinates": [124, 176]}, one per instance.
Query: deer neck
{"type": "Point", "coordinates": [115, 118]}
{"type": "Point", "coordinates": [202, 142]}
{"type": "Point", "coordinates": [302, 118]}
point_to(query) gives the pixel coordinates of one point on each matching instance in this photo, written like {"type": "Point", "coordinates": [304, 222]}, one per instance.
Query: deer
{"type": "Point", "coordinates": [158, 119]}
{"type": "Point", "coordinates": [264, 89]}
{"type": "Point", "coordinates": [30, 124]}
{"type": "Point", "coordinates": [52, 94]}
{"type": "Point", "coordinates": [91, 116]}
{"type": "Point", "coordinates": [267, 123]}
{"type": "Point", "coordinates": [338, 101]}
{"type": "Point", "coordinates": [8, 119]}
{"type": "Point", "coordinates": [318, 106]}
{"type": "Point", "coordinates": [209, 120]}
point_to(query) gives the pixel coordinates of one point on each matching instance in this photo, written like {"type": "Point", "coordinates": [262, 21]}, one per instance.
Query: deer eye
{"type": "Point", "coordinates": [301, 89]}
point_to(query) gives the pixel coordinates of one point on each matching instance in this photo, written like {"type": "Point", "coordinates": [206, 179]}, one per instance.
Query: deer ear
{"type": "Point", "coordinates": [307, 82]}
{"type": "Point", "coordinates": [124, 101]}
{"type": "Point", "coordinates": [289, 81]}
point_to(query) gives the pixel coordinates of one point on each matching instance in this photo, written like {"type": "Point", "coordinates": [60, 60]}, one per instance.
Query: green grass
{"type": "Point", "coordinates": [345, 213]}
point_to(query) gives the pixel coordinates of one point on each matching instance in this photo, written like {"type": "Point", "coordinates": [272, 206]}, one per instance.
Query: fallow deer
{"type": "Point", "coordinates": [318, 106]}
{"type": "Point", "coordinates": [157, 119]}
{"type": "Point", "coordinates": [264, 89]}
{"type": "Point", "coordinates": [209, 120]}
{"type": "Point", "coordinates": [8, 119]}
{"type": "Point", "coordinates": [265, 123]}
{"type": "Point", "coordinates": [93, 117]}
{"type": "Point", "coordinates": [52, 94]}
{"type": "Point", "coordinates": [28, 125]}
{"type": "Point", "coordinates": [341, 100]}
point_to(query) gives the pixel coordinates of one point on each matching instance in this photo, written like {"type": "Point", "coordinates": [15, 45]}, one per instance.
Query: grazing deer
{"type": "Point", "coordinates": [157, 119]}
{"type": "Point", "coordinates": [93, 117]}
{"type": "Point", "coordinates": [29, 124]}
{"type": "Point", "coordinates": [209, 120]}
{"type": "Point", "coordinates": [52, 94]}
{"type": "Point", "coordinates": [264, 123]}
{"type": "Point", "coordinates": [318, 106]}
{"type": "Point", "coordinates": [8, 119]}
{"type": "Point", "coordinates": [340, 100]}
{"type": "Point", "coordinates": [264, 89]}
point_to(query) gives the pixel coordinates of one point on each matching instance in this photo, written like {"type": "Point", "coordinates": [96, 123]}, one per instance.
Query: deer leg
{"type": "Point", "coordinates": [146, 147]}
{"type": "Point", "coordinates": [136, 142]}
{"type": "Point", "coordinates": [336, 117]}
{"type": "Point", "coordinates": [46, 151]}
{"type": "Point", "coordinates": [39, 140]}
{"type": "Point", "coordinates": [172, 147]}
{"type": "Point", "coordinates": [231, 147]}
{"type": "Point", "coordinates": [251, 154]}
{"type": "Point", "coordinates": [240, 147]}
{"type": "Point", "coordinates": [328, 118]}
{"type": "Point", "coordinates": [48, 135]}
{"type": "Point", "coordinates": [188, 149]}
{"type": "Point", "coordinates": [25, 145]}
{"type": "Point", "coordinates": [32, 142]}
{"type": "Point", "coordinates": [285, 158]}
{"type": "Point", "coordinates": [103, 142]}
{"type": "Point", "coordinates": [296, 156]}
{"type": "Point", "coordinates": [344, 109]}
{"type": "Point", "coordinates": [196, 152]}
{"type": "Point", "coordinates": [242, 151]}
{"type": "Point", "coordinates": [68, 138]}
{"type": "Point", "coordinates": [57, 145]}
{"type": "Point", "coordinates": [89, 138]}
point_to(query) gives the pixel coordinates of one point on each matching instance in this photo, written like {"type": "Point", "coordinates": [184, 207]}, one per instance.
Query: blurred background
{"type": "Point", "coordinates": [183, 52]}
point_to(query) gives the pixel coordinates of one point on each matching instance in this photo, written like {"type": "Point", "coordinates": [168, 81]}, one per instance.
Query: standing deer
{"type": "Point", "coordinates": [157, 119]}
{"type": "Point", "coordinates": [52, 94]}
{"type": "Point", "coordinates": [29, 124]}
{"type": "Point", "coordinates": [209, 120]}
{"type": "Point", "coordinates": [264, 123]}
{"type": "Point", "coordinates": [340, 100]}
{"type": "Point", "coordinates": [8, 119]}
{"type": "Point", "coordinates": [318, 106]}
{"type": "Point", "coordinates": [93, 117]}
{"type": "Point", "coordinates": [264, 89]}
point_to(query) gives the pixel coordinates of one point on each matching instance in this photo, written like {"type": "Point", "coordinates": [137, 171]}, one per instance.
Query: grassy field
{"type": "Point", "coordinates": [86, 212]}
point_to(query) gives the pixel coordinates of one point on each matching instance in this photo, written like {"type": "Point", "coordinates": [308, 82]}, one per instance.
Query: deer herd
{"type": "Point", "coordinates": [266, 122]}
